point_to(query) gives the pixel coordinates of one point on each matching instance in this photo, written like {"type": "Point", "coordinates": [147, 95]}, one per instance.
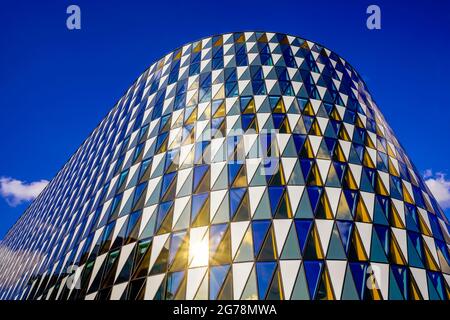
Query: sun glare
{"type": "Point", "coordinates": [198, 252]}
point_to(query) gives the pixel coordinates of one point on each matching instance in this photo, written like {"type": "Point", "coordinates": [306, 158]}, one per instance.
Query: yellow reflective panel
{"type": "Point", "coordinates": [223, 252]}
{"type": "Point", "coordinates": [335, 115]}
{"type": "Point", "coordinates": [339, 154]}
{"type": "Point", "coordinates": [392, 170]}
{"type": "Point", "coordinates": [207, 113]}
{"type": "Point", "coordinates": [326, 289]}
{"type": "Point", "coordinates": [279, 107]}
{"type": "Point", "coordinates": [250, 107]}
{"type": "Point", "coordinates": [447, 289]}
{"type": "Point", "coordinates": [177, 55]}
{"type": "Point", "coordinates": [343, 134]}
{"type": "Point", "coordinates": [380, 188]}
{"type": "Point", "coordinates": [268, 249]}
{"type": "Point", "coordinates": [283, 210]}
{"type": "Point", "coordinates": [163, 147]}
{"type": "Point", "coordinates": [202, 218]}
{"type": "Point", "coordinates": [166, 126]}
{"type": "Point", "coordinates": [369, 143]}
{"type": "Point", "coordinates": [305, 45]}
{"type": "Point", "coordinates": [362, 215]}
{"type": "Point", "coordinates": [160, 263]}
{"type": "Point", "coordinates": [243, 211]}
{"type": "Point", "coordinates": [307, 151]}
{"type": "Point", "coordinates": [431, 263]}
{"type": "Point", "coordinates": [406, 196]}
{"type": "Point", "coordinates": [379, 132]}
{"type": "Point", "coordinates": [423, 226]}
{"type": "Point", "coordinates": [396, 254]}
{"type": "Point", "coordinates": [263, 38]}
{"type": "Point", "coordinates": [253, 127]}
{"type": "Point", "coordinates": [278, 178]}
{"type": "Point", "coordinates": [358, 245]}
{"type": "Point", "coordinates": [221, 111]}
{"type": "Point", "coordinates": [181, 258]}
{"type": "Point", "coordinates": [350, 180]}
{"type": "Point", "coordinates": [391, 152]}
{"type": "Point", "coordinates": [203, 186]}
{"type": "Point", "coordinates": [285, 205]}
{"type": "Point", "coordinates": [197, 47]}
{"type": "Point", "coordinates": [284, 40]}
{"type": "Point", "coordinates": [308, 110]}
{"type": "Point", "coordinates": [192, 117]}
{"type": "Point", "coordinates": [396, 221]}
{"type": "Point", "coordinates": [317, 245]}
{"type": "Point", "coordinates": [367, 160]}
{"type": "Point", "coordinates": [241, 39]}
{"type": "Point", "coordinates": [414, 290]}
{"type": "Point", "coordinates": [241, 178]}
{"type": "Point", "coordinates": [218, 42]}
{"type": "Point", "coordinates": [285, 128]}
{"type": "Point", "coordinates": [170, 192]}
{"type": "Point", "coordinates": [315, 129]}
{"type": "Point", "coordinates": [359, 123]}
{"type": "Point", "coordinates": [324, 209]}
{"type": "Point", "coordinates": [166, 225]}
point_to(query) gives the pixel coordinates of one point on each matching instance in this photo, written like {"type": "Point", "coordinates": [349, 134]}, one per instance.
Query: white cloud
{"type": "Point", "coordinates": [439, 187]}
{"type": "Point", "coordinates": [15, 191]}
{"type": "Point", "coordinates": [428, 173]}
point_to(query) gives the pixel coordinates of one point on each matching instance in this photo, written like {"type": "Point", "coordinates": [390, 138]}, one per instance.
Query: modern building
{"type": "Point", "coordinates": [247, 165]}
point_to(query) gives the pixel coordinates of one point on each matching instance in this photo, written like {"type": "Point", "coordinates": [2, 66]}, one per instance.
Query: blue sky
{"type": "Point", "coordinates": [56, 85]}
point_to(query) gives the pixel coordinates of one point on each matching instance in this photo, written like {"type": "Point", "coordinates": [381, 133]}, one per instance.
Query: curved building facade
{"type": "Point", "coordinates": [242, 166]}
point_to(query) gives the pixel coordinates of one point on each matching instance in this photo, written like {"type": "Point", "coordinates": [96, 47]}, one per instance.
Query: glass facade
{"type": "Point", "coordinates": [242, 166]}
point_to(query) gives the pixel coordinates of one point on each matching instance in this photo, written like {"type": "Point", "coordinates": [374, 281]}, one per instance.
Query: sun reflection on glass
{"type": "Point", "coordinates": [198, 251]}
